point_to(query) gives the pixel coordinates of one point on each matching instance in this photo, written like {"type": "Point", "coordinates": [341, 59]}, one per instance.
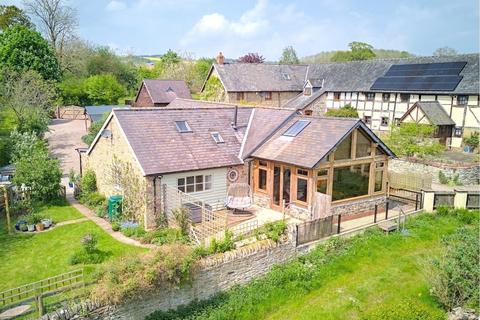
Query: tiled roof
{"type": "Point", "coordinates": [160, 148]}
{"type": "Point", "coordinates": [164, 91]}
{"type": "Point", "coordinates": [434, 111]}
{"type": "Point", "coordinates": [257, 77]}
{"type": "Point", "coordinates": [313, 143]}
{"type": "Point", "coordinates": [360, 75]}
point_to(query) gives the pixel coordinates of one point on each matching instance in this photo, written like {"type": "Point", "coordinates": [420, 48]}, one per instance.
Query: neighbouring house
{"type": "Point", "coordinates": [6, 173]}
{"type": "Point", "coordinates": [95, 113]}
{"type": "Point", "coordinates": [258, 83]}
{"type": "Point", "coordinates": [159, 93]}
{"type": "Point", "coordinates": [200, 148]}
{"type": "Point", "coordinates": [382, 91]}
{"type": "Point", "coordinates": [431, 112]}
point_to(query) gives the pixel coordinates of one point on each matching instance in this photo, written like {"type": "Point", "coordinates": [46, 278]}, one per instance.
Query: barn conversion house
{"type": "Point", "coordinates": [201, 148]}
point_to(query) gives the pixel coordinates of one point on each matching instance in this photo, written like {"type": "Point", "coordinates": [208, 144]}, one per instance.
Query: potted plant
{"type": "Point", "coordinates": [31, 222]}
{"type": "Point", "coordinates": [47, 223]}
{"type": "Point", "coordinates": [37, 219]}
{"type": "Point", "coordinates": [71, 178]}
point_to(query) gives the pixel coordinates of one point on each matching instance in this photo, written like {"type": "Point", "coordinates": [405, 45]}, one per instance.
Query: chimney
{"type": "Point", "coordinates": [235, 116]}
{"type": "Point", "coordinates": [220, 58]}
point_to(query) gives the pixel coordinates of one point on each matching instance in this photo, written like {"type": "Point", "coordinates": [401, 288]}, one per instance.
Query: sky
{"type": "Point", "coordinates": [202, 28]}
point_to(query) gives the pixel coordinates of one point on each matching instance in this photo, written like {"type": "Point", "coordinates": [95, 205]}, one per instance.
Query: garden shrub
{"type": "Point", "coordinates": [133, 231]}
{"type": "Point", "coordinates": [442, 177]}
{"type": "Point", "coordinates": [444, 210]}
{"type": "Point", "coordinates": [347, 111]}
{"type": "Point", "coordinates": [89, 182]}
{"type": "Point", "coordinates": [116, 226]}
{"type": "Point", "coordinates": [409, 309]}
{"type": "Point", "coordinates": [272, 230]}
{"type": "Point", "coordinates": [455, 276]}
{"type": "Point", "coordinates": [181, 218]}
{"type": "Point", "coordinates": [165, 236]}
{"type": "Point", "coordinates": [88, 254]}
{"type": "Point", "coordinates": [135, 275]}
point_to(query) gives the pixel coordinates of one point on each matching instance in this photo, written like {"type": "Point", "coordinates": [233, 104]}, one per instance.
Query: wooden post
{"type": "Point", "coordinates": [416, 201]}
{"type": "Point", "coordinates": [375, 214]}
{"type": "Point", "coordinates": [339, 221]}
{"type": "Point", "coordinates": [39, 303]}
{"type": "Point", "coordinates": [7, 209]}
{"type": "Point", "coordinates": [386, 210]}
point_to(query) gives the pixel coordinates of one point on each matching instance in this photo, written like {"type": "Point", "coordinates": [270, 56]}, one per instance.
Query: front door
{"type": "Point", "coordinates": [281, 186]}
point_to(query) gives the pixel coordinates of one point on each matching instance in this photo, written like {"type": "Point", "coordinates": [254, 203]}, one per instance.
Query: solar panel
{"type": "Point", "coordinates": [431, 83]}
{"type": "Point", "coordinates": [296, 128]}
{"type": "Point", "coordinates": [426, 69]}
{"type": "Point", "coordinates": [442, 76]}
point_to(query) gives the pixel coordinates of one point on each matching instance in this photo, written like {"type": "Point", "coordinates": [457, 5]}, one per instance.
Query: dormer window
{"type": "Point", "coordinates": [182, 126]}
{"type": "Point", "coordinates": [169, 89]}
{"type": "Point", "coordinates": [307, 91]}
{"type": "Point", "coordinates": [217, 137]}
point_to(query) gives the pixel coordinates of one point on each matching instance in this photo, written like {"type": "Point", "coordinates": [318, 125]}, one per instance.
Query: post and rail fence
{"type": "Point", "coordinates": [38, 290]}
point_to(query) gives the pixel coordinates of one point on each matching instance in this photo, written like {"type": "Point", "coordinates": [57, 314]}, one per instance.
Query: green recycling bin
{"type": "Point", "coordinates": [114, 207]}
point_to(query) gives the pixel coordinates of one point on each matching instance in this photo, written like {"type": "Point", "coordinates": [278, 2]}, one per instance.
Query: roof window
{"type": "Point", "coordinates": [182, 126]}
{"type": "Point", "coordinates": [217, 137]}
{"type": "Point", "coordinates": [296, 128]}
{"type": "Point", "coordinates": [286, 76]}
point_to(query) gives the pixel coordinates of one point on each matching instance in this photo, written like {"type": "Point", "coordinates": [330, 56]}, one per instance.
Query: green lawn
{"type": "Point", "coordinates": [30, 257]}
{"type": "Point", "coordinates": [367, 272]}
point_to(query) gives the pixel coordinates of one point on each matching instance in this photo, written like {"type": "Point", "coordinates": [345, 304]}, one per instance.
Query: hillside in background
{"type": "Point", "coordinates": [325, 56]}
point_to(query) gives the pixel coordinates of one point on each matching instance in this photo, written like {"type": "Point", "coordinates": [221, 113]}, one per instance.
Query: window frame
{"type": "Point", "coordinates": [268, 95]}
{"type": "Point", "coordinates": [367, 119]}
{"type": "Point", "coordinates": [369, 96]}
{"type": "Point", "coordinates": [387, 95]}
{"type": "Point", "coordinates": [206, 183]}
{"type": "Point", "coordinates": [462, 100]}
{"type": "Point", "coordinates": [220, 138]}
{"type": "Point", "coordinates": [405, 97]}
{"type": "Point", "coordinates": [240, 96]}
{"type": "Point", "coordinates": [187, 126]}
{"type": "Point", "coordinates": [384, 123]}
{"type": "Point", "coordinates": [337, 96]}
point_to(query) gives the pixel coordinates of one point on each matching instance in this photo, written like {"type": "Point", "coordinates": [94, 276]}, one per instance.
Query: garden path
{"type": "Point", "coordinates": [89, 214]}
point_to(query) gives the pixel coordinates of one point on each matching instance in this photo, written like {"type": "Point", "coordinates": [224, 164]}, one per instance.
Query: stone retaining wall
{"type": "Point", "coordinates": [216, 274]}
{"type": "Point", "coordinates": [468, 174]}
{"type": "Point", "coordinates": [352, 208]}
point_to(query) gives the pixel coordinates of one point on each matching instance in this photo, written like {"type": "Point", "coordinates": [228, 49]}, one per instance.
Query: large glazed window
{"type": "Point", "coordinates": [350, 181]}
{"type": "Point", "coordinates": [344, 149]}
{"type": "Point", "coordinates": [363, 145]}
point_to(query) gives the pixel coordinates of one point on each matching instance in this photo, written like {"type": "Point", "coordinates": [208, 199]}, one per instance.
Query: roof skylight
{"type": "Point", "coordinates": [182, 126]}
{"type": "Point", "coordinates": [296, 128]}
{"type": "Point", "coordinates": [217, 137]}
{"type": "Point", "coordinates": [286, 76]}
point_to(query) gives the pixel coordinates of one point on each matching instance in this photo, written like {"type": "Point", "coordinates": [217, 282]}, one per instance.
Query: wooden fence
{"type": "Point", "coordinates": [38, 290]}
{"type": "Point", "coordinates": [410, 181]}
{"type": "Point", "coordinates": [70, 112]}
{"type": "Point", "coordinates": [315, 230]}
{"type": "Point", "coordinates": [473, 201]}
{"type": "Point", "coordinates": [406, 195]}
{"type": "Point", "coordinates": [443, 199]}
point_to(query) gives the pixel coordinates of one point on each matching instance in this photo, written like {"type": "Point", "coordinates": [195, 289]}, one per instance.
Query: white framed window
{"type": "Point", "coordinates": [370, 96]}
{"type": "Point", "coordinates": [182, 126]}
{"type": "Point", "coordinates": [196, 183]}
{"type": "Point", "coordinates": [217, 137]}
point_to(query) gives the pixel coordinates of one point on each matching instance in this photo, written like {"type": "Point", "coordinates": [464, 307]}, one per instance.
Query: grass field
{"type": "Point", "coordinates": [350, 282]}
{"type": "Point", "coordinates": [30, 257]}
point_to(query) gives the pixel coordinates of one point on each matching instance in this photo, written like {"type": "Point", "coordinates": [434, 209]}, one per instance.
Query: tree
{"type": "Point", "coordinates": [11, 16]}
{"type": "Point", "coordinates": [34, 166]}
{"type": "Point", "coordinates": [445, 52]}
{"type": "Point", "coordinates": [23, 49]}
{"type": "Point", "coordinates": [251, 58]}
{"type": "Point", "coordinates": [413, 139]}
{"type": "Point", "coordinates": [31, 98]}
{"type": "Point", "coordinates": [214, 90]}
{"type": "Point", "coordinates": [103, 89]}
{"type": "Point", "coordinates": [56, 20]}
{"type": "Point", "coordinates": [358, 51]}
{"type": "Point", "coordinates": [170, 57]}
{"type": "Point", "coordinates": [347, 111]}
{"type": "Point", "coordinates": [289, 56]}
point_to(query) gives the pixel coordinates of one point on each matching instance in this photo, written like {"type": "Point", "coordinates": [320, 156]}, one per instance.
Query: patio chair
{"type": "Point", "coordinates": [239, 196]}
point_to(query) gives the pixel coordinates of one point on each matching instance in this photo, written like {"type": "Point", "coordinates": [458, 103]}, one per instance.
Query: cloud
{"type": "Point", "coordinates": [115, 5]}
{"type": "Point", "coordinates": [250, 24]}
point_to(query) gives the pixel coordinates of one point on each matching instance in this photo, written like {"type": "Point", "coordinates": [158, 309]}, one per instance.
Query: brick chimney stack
{"type": "Point", "coordinates": [220, 58]}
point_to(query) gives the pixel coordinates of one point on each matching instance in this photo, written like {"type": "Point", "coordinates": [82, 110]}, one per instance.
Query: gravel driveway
{"type": "Point", "coordinates": [63, 138]}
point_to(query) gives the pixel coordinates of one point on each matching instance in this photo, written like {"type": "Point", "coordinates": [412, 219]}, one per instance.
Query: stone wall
{"type": "Point", "coordinates": [216, 274]}
{"type": "Point", "coordinates": [143, 99]}
{"type": "Point", "coordinates": [352, 208]}
{"type": "Point", "coordinates": [468, 174]}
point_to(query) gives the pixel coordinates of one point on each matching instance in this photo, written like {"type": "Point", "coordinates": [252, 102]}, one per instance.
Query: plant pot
{"type": "Point", "coordinates": [47, 223]}
{"type": "Point", "coordinates": [31, 227]}
{"type": "Point", "coordinates": [39, 227]}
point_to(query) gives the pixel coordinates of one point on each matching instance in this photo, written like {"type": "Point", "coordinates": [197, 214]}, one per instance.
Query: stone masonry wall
{"type": "Point", "coordinates": [353, 208]}
{"type": "Point", "coordinates": [468, 174]}
{"type": "Point", "coordinates": [216, 274]}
